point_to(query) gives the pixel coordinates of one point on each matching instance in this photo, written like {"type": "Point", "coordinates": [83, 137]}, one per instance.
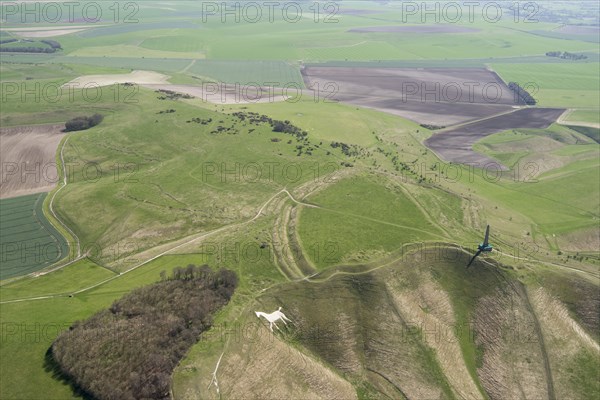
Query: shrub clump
{"type": "Point", "coordinates": [130, 350]}
{"type": "Point", "coordinates": [82, 123]}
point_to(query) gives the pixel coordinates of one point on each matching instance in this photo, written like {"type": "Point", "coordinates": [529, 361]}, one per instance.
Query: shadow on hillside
{"type": "Point", "coordinates": [52, 367]}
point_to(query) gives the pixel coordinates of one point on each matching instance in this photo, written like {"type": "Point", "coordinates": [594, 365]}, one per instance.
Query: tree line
{"type": "Point", "coordinates": [83, 123]}
{"type": "Point", "coordinates": [54, 46]}
{"type": "Point", "coordinates": [129, 350]}
{"type": "Point", "coordinates": [566, 55]}
{"type": "Point", "coordinates": [522, 94]}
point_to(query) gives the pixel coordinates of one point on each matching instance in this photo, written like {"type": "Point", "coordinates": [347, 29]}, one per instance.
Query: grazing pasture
{"type": "Point", "coordinates": [378, 217]}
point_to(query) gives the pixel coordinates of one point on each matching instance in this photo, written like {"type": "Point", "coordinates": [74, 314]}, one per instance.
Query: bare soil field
{"type": "Point", "coordinates": [224, 94]}
{"type": "Point", "coordinates": [27, 158]}
{"type": "Point", "coordinates": [433, 96]}
{"type": "Point", "coordinates": [416, 29]}
{"type": "Point", "coordinates": [138, 77]}
{"type": "Point", "coordinates": [455, 145]}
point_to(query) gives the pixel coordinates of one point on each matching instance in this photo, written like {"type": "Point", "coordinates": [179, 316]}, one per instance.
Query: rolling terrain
{"type": "Point", "coordinates": [334, 169]}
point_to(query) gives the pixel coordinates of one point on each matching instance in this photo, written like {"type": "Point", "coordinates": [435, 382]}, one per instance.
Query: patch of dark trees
{"type": "Point", "coordinates": [303, 146]}
{"type": "Point", "coordinates": [276, 125]}
{"type": "Point", "coordinates": [200, 121]}
{"type": "Point", "coordinates": [349, 150]}
{"type": "Point", "coordinates": [129, 351]}
{"type": "Point", "coordinates": [54, 46]}
{"type": "Point", "coordinates": [171, 95]}
{"type": "Point", "coordinates": [566, 55]}
{"type": "Point", "coordinates": [168, 111]}
{"type": "Point", "coordinates": [432, 127]}
{"type": "Point", "coordinates": [52, 43]}
{"type": "Point", "coordinates": [522, 94]}
{"type": "Point", "coordinates": [82, 123]}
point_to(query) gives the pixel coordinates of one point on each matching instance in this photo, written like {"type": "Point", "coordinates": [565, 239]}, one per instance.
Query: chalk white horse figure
{"type": "Point", "coordinates": [274, 316]}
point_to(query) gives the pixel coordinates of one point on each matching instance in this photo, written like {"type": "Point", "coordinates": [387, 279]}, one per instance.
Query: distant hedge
{"type": "Point", "coordinates": [82, 123]}
{"type": "Point", "coordinates": [54, 46]}
{"type": "Point", "coordinates": [129, 351]}
{"type": "Point", "coordinates": [27, 49]}
{"type": "Point", "coordinates": [522, 94]}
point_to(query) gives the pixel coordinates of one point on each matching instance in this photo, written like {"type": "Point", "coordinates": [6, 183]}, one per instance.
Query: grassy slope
{"type": "Point", "coordinates": [568, 189]}
{"type": "Point", "coordinates": [158, 188]}
{"type": "Point", "coordinates": [363, 219]}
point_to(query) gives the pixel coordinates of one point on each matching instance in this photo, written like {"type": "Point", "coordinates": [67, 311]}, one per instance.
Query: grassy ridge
{"type": "Point", "coordinates": [362, 219]}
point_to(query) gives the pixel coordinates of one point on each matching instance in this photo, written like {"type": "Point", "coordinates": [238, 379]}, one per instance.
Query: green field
{"type": "Point", "coordinates": [362, 219]}
{"type": "Point", "coordinates": [556, 85]}
{"type": "Point", "coordinates": [29, 242]}
{"type": "Point", "coordinates": [267, 73]}
{"type": "Point", "coordinates": [592, 116]}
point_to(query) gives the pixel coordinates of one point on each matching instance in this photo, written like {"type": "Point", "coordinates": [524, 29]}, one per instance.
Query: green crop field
{"type": "Point", "coordinates": [556, 85]}
{"type": "Point", "coordinates": [592, 116]}
{"type": "Point", "coordinates": [29, 242]}
{"type": "Point", "coordinates": [268, 73]}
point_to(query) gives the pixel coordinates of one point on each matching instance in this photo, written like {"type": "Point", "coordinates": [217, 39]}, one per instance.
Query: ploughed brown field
{"type": "Point", "coordinates": [432, 96]}
{"type": "Point", "coordinates": [27, 157]}
{"type": "Point", "coordinates": [455, 144]}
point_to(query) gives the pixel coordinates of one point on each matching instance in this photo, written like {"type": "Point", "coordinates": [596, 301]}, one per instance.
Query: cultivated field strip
{"type": "Point", "coordinates": [28, 241]}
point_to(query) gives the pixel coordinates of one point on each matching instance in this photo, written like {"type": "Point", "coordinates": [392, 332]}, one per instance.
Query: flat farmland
{"type": "Point", "coordinates": [264, 73]}
{"type": "Point", "coordinates": [434, 96]}
{"type": "Point", "coordinates": [28, 241]}
{"type": "Point", "coordinates": [455, 145]}
{"type": "Point", "coordinates": [557, 85]}
{"type": "Point", "coordinates": [27, 157]}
